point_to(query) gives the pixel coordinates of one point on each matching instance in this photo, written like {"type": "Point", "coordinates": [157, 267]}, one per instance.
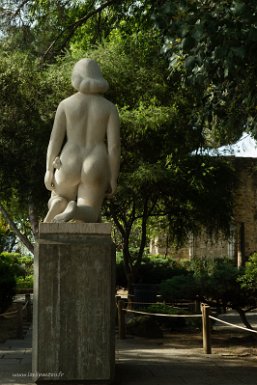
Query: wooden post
{"type": "Point", "coordinates": [206, 329]}
{"type": "Point", "coordinates": [121, 319]}
{"type": "Point", "coordinates": [159, 298]}
{"type": "Point", "coordinates": [117, 299]}
{"type": "Point", "coordinates": [197, 307]}
{"type": "Point", "coordinates": [131, 298]}
{"type": "Point", "coordinates": [19, 320]}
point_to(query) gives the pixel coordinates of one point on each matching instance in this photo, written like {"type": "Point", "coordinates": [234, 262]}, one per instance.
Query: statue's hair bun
{"type": "Point", "coordinates": [87, 77]}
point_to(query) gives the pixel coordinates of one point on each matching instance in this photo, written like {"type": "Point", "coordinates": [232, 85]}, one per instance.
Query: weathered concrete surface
{"type": "Point", "coordinates": [73, 329]}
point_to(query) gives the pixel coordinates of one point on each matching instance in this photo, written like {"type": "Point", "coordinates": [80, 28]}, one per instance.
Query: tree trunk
{"type": "Point", "coordinates": [243, 318]}
{"type": "Point", "coordinates": [143, 235]}
{"type": "Point", "coordinates": [16, 231]}
{"type": "Point", "coordinates": [33, 218]}
{"type": "Point", "coordinates": [129, 271]}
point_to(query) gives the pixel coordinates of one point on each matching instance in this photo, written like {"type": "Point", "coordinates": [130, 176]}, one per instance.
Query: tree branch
{"type": "Point", "coordinates": [73, 27]}
{"type": "Point", "coordinates": [20, 7]}
{"type": "Point", "coordinates": [143, 233]}
{"type": "Point", "coordinates": [16, 231]}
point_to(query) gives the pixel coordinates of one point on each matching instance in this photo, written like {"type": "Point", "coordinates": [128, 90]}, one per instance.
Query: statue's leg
{"type": "Point", "coordinates": [90, 192]}
{"type": "Point", "coordinates": [56, 205]}
{"type": "Point", "coordinates": [68, 214]}
{"type": "Point", "coordinates": [59, 200]}
{"type": "Point", "coordinates": [90, 200]}
{"type": "Point", "coordinates": [88, 206]}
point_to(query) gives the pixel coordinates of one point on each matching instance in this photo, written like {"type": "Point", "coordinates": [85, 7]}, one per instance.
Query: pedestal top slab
{"type": "Point", "coordinates": [75, 228]}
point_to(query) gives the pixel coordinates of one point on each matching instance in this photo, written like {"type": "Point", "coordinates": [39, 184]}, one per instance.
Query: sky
{"type": "Point", "coordinates": [246, 146]}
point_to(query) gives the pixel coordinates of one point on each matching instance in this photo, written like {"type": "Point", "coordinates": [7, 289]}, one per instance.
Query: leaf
{"type": "Point", "coordinates": [239, 51]}
{"type": "Point", "coordinates": [253, 34]}
{"type": "Point", "coordinates": [190, 62]}
{"type": "Point", "coordinates": [188, 43]}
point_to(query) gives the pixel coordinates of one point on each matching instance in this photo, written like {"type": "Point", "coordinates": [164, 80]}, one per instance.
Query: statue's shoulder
{"type": "Point", "coordinates": [110, 104]}
{"type": "Point", "coordinates": [68, 102]}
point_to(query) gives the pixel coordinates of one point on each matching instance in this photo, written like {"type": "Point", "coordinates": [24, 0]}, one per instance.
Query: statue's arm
{"type": "Point", "coordinates": [55, 145]}
{"type": "Point", "coordinates": [113, 146]}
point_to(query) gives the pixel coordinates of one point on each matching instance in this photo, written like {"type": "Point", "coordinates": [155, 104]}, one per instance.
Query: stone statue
{"type": "Point", "coordinates": [83, 155]}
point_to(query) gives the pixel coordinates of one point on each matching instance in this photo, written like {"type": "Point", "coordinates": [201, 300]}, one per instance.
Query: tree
{"type": "Point", "coordinates": [31, 91]}
{"type": "Point", "coordinates": [7, 237]}
{"type": "Point", "coordinates": [159, 176]}
{"type": "Point", "coordinates": [47, 28]}
{"type": "Point", "coordinates": [216, 282]}
{"type": "Point", "coordinates": [23, 134]}
{"type": "Point", "coordinates": [212, 45]}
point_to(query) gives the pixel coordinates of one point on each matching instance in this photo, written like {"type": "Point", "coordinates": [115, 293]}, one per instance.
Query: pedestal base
{"type": "Point", "coordinates": [73, 327]}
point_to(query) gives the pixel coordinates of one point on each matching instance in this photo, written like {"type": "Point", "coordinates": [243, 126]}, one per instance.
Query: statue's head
{"type": "Point", "coordinates": [87, 77]}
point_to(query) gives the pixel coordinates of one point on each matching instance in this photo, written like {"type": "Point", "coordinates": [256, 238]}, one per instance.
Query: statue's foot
{"type": "Point", "coordinates": [68, 213]}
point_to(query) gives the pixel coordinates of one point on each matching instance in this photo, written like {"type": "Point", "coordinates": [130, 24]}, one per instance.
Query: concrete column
{"type": "Point", "coordinates": [73, 326]}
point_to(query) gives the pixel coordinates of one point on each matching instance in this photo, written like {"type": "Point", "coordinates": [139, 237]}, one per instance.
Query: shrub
{"type": "Point", "coordinates": [7, 284]}
{"type": "Point", "coordinates": [24, 282]}
{"type": "Point", "coordinates": [170, 323]}
{"type": "Point", "coordinates": [144, 326]}
{"type": "Point", "coordinates": [155, 269]}
{"type": "Point", "coordinates": [179, 287]}
{"type": "Point", "coordinates": [248, 279]}
{"type": "Point", "coordinates": [15, 270]}
{"type": "Point", "coordinates": [13, 260]}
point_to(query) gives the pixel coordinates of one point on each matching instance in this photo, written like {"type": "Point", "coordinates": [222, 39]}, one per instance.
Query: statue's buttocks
{"type": "Point", "coordinates": [87, 165]}
{"type": "Point", "coordinates": [80, 165]}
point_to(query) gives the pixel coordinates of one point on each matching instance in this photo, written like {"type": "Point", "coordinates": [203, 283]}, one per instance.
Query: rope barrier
{"type": "Point", "coordinates": [205, 315]}
{"type": "Point", "coordinates": [236, 326]}
{"type": "Point", "coordinates": [163, 315]}
{"type": "Point", "coordinates": [157, 303]}
{"type": "Point", "coordinates": [11, 314]}
{"type": "Point", "coordinates": [188, 316]}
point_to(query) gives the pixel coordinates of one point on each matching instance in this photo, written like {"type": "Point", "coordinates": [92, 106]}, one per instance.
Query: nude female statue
{"type": "Point", "coordinates": [83, 155]}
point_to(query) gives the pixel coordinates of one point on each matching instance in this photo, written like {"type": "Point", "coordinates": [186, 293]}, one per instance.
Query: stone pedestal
{"type": "Point", "coordinates": [73, 327]}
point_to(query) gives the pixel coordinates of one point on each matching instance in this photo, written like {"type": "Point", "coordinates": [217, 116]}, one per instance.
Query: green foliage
{"type": "Point", "coordinates": [23, 131]}
{"type": "Point", "coordinates": [27, 262]}
{"type": "Point", "coordinates": [159, 176]}
{"type": "Point", "coordinates": [154, 270]}
{"type": "Point", "coordinates": [162, 308]}
{"type": "Point", "coordinates": [248, 280]}
{"type": "Point", "coordinates": [25, 282]}
{"type": "Point", "coordinates": [13, 260]}
{"type": "Point", "coordinates": [161, 117]}
{"type": "Point", "coordinates": [21, 268]}
{"type": "Point", "coordinates": [217, 282]}
{"type": "Point", "coordinates": [7, 237]}
{"type": "Point", "coordinates": [173, 323]}
{"type": "Point", "coordinates": [204, 46]}
{"type": "Point", "coordinates": [179, 287]}
{"type": "Point", "coordinates": [144, 326]}
{"type": "Point", "coordinates": [223, 285]}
